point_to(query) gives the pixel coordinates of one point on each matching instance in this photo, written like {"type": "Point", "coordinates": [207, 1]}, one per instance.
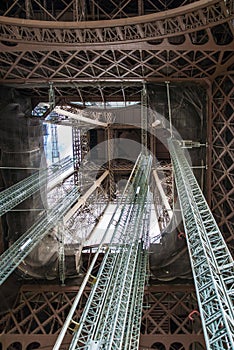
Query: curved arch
{"type": "Point", "coordinates": [177, 346]}
{"type": "Point", "coordinates": [15, 346]}
{"type": "Point", "coordinates": [196, 346]}
{"type": "Point", "coordinates": [33, 345]}
{"type": "Point", "coordinates": [185, 19]}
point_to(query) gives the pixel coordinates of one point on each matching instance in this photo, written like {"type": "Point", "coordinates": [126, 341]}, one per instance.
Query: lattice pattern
{"type": "Point", "coordinates": [39, 311]}
{"type": "Point", "coordinates": [172, 23]}
{"type": "Point", "coordinates": [167, 318]}
{"type": "Point", "coordinates": [171, 45]}
{"type": "Point", "coordinates": [81, 66]}
{"type": "Point", "coordinates": [78, 9]}
{"type": "Point", "coordinates": [222, 180]}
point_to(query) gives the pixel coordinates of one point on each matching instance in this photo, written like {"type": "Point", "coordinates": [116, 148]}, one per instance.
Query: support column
{"type": "Point", "coordinates": [222, 162]}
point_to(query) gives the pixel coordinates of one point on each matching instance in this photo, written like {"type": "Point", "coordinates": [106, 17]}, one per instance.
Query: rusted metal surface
{"type": "Point", "coordinates": [77, 10]}
{"type": "Point", "coordinates": [178, 21]}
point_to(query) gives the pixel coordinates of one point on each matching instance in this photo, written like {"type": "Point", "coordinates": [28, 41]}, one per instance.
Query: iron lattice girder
{"type": "Point", "coordinates": [178, 21]}
{"type": "Point", "coordinates": [200, 52]}
{"type": "Point", "coordinates": [111, 304]}
{"type": "Point", "coordinates": [36, 69]}
{"type": "Point", "coordinates": [17, 252]}
{"type": "Point", "coordinates": [212, 264]}
{"type": "Point", "coordinates": [17, 193]}
{"type": "Point", "coordinates": [39, 313]}
{"type": "Point", "coordinates": [77, 10]}
{"type": "Point", "coordinates": [166, 317]}
{"type": "Point", "coordinates": [221, 155]}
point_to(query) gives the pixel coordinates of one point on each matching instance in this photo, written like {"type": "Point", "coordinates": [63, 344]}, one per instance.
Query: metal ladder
{"type": "Point", "coordinates": [212, 263]}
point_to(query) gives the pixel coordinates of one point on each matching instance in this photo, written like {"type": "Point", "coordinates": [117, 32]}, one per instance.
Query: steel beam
{"type": "Point", "coordinates": [121, 276]}
{"type": "Point", "coordinates": [80, 117]}
{"type": "Point", "coordinates": [83, 198]}
{"type": "Point", "coordinates": [212, 263]}
{"type": "Point", "coordinates": [162, 194]}
{"type": "Point", "coordinates": [178, 21]}
{"type": "Point", "coordinates": [17, 252]}
{"type": "Point", "coordinates": [17, 193]}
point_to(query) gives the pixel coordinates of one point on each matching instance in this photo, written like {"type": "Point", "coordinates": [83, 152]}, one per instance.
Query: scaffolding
{"type": "Point", "coordinates": [17, 252]}
{"type": "Point", "coordinates": [17, 193]}
{"type": "Point", "coordinates": [116, 298]}
{"type": "Point", "coordinates": [212, 263]}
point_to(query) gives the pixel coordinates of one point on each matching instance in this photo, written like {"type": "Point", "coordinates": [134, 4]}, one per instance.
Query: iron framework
{"type": "Point", "coordinates": [221, 134]}
{"type": "Point", "coordinates": [187, 42]}
{"type": "Point", "coordinates": [16, 253]}
{"type": "Point", "coordinates": [116, 298]}
{"type": "Point", "coordinates": [212, 263]}
{"type": "Point", "coordinates": [39, 313]}
{"type": "Point", "coordinates": [17, 193]}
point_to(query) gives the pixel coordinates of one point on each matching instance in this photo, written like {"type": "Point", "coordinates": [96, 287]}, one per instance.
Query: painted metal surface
{"type": "Point", "coordinates": [212, 263]}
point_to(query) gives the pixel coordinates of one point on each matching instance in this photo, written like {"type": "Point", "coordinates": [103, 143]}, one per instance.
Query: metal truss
{"type": "Point", "coordinates": [182, 43]}
{"type": "Point", "coordinates": [116, 288]}
{"type": "Point", "coordinates": [103, 65]}
{"type": "Point", "coordinates": [86, 117]}
{"type": "Point", "coordinates": [54, 141]}
{"type": "Point", "coordinates": [17, 193]}
{"type": "Point", "coordinates": [79, 10]}
{"type": "Point", "coordinates": [144, 118]}
{"type": "Point", "coordinates": [38, 315]}
{"type": "Point", "coordinates": [77, 155]}
{"type": "Point", "coordinates": [221, 165]}
{"type": "Point", "coordinates": [170, 319]}
{"type": "Point", "coordinates": [61, 253]}
{"type": "Point", "coordinates": [39, 312]}
{"type": "Point", "coordinates": [110, 151]}
{"type": "Point", "coordinates": [212, 263]}
{"type": "Point", "coordinates": [86, 217]}
{"type": "Point", "coordinates": [16, 253]}
{"type": "Point", "coordinates": [162, 191]}
{"type": "Point", "coordinates": [156, 26]}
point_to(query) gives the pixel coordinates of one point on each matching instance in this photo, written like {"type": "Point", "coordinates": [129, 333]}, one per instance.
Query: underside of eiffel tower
{"type": "Point", "coordinates": [116, 174]}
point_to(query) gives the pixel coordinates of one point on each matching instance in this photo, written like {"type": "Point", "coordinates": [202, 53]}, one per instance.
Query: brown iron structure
{"type": "Point", "coordinates": [104, 51]}
{"type": "Point", "coordinates": [169, 317]}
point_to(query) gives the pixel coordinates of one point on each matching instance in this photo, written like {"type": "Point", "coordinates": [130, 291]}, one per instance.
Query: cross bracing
{"type": "Point", "coordinates": [116, 298]}
{"type": "Point", "coordinates": [212, 263]}
{"type": "Point", "coordinates": [17, 193]}
{"type": "Point", "coordinates": [192, 41]}
{"type": "Point", "coordinates": [16, 253]}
